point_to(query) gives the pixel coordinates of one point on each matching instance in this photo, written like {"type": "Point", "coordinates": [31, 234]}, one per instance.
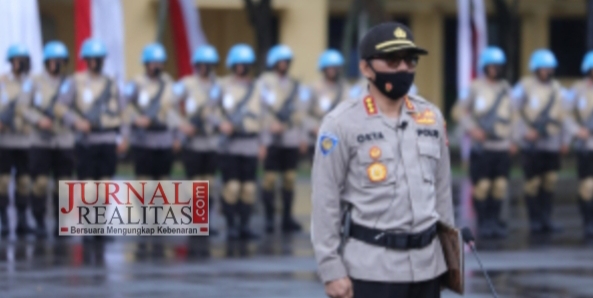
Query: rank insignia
{"type": "Point", "coordinates": [375, 152]}
{"type": "Point", "coordinates": [377, 172]}
{"type": "Point", "coordinates": [369, 105]}
{"type": "Point", "coordinates": [409, 104]}
{"type": "Point", "coordinates": [427, 117]}
{"type": "Point", "coordinates": [327, 143]}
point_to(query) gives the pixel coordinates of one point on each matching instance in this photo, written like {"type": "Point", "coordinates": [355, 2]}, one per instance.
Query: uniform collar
{"type": "Point", "coordinates": [408, 110]}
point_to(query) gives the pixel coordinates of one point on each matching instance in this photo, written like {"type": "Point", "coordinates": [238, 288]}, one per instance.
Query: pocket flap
{"type": "Point", "coordinates": [429, 149]}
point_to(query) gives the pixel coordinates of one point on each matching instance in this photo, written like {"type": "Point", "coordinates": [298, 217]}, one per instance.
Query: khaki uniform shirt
{"type": "Point", "coordinates": [530, 97]}
{"type": "Point", "coordinates": [76, 104]}
{"type": "Point", "coordinates": [580, 110]}
{"type": "Point", "coordinates": [139, 94]}
{"type": "Point", "coordinates": [397, 178]}
{"type": "Point", "coordinates": [480, 101]}
{"type": "Point", "coordinates": [198, 99]}
{"type": "Point", "coordinates": [46, 88]}
{"type": "Point", "coordinates": [326, 96]}
{"type": "Point", "coordinates": [12, 102]}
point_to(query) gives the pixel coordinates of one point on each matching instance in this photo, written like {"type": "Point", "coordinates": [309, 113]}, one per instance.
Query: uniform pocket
{"type": "Point", "coordinates": [430, 153]}
{"type": "Point", "coordinates": [376, 165]}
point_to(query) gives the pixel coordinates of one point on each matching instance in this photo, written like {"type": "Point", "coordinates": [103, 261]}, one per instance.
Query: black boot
{"type": "Point", "coordinates": [587, 214]}
{"type": "Point", "coordinates": [231, 224]}
{"type": "Point", "coordinates": [289, 224]}
{"type": "Point", "coordinates": [548, 225]}
{"type": "Point", "coordinates": [485, 229]}
{"type": "Point", "coordinates": [5, 229]}
{"type": "Point", "coordinates": [22, 226]}
{"type": "Point", "coordinates": [534, 213]}
{"type": "Point", "coordinates": [38, 208]}
{"type": "Point", "coordinates": [498, 227]}
{"type": "Point", "coordinates": [268, 198]}
{"type": "Point", "coordinates": [244, 217]}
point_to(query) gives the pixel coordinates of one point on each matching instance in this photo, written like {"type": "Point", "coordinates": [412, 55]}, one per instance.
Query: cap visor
{"type": "Point", "coordinates": [399, 48]}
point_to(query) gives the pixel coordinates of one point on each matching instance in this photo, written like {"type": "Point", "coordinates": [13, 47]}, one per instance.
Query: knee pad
{"type": "Point", "coordinates": [23, 184]}
{"type": "Point", "coordinates": [4, 182]}
{"type": "Point", "coordinates": [230, 192]}
{"type": "Point", "coordinates": [248, 193]}
{"type": "Point", "coordinates": [269, 180]}
{"type": "Point", "coordinates": [289, 180]}
{"type": "Point", "coordinates": [40, 186]}
{"type": "Point", "coordinates": [499, 188]}
{"type": "Point", "coordinates": [481, 189]}
{"type": "Point", "coordinates": [549, 183]}
{"type": "Point", "coordinates": [531, 187]}
{"type": "Point", "coordinates": [586, 189]}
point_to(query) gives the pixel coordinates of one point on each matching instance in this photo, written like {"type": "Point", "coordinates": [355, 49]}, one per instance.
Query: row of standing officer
{"type": "Point", "coordinates": [53, 124]}
{"type": "Point", "coordinates": [538, 118]}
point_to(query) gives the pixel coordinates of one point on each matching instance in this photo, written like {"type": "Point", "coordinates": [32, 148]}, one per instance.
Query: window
{"type": "Point", "coordinates": [568, 41]}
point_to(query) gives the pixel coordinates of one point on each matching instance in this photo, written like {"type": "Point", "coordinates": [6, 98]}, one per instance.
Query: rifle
{"type": "Point", "coordinates": [7, 116]}
{"type": "Point", "coordinates": [152, 112]}
{"type": "Point", "coordinates": [49, 110]}
{"type": "Point", "coordinates": [284, 114]}
{"type": "Point", "coordinates": [239, 113]}
{"type": "Point", "coordinates": [542, 120]}
{"type": "Point", "coordinates": [487, 122]}
{"type": "Point", "coordinates": [93, 115]}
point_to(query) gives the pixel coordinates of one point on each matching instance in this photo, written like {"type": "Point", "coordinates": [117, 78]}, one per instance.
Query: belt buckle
{"type": "Point", "coordinates": [415, 240]}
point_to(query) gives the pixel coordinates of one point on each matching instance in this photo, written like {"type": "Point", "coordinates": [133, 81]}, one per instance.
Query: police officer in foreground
{"type": "Point", "coordinates": [198, 97]}
{"type": "Point", "coordinates": [384, 159]}
{"type": "Point", "coordinates": [328, 91]}
{"type": "Point", "coordinates": [543, 133]}
{"type": "Point", "coordinates": [285, 101]}
{"type": "Point", "coordinates": [582, 111]}
{"type": "Point", "coordinates": [243, 141]}
{"type": "Point", "coordinates": [92, 109]}
{"type": "Point", "coordinates": [151, 118]}
{"type": "Point", "coordinates": [14, 138]}
{"type": "Point", "coordinates": [52, 141]}
{"type": "Point", "coordinates": [486, 113]}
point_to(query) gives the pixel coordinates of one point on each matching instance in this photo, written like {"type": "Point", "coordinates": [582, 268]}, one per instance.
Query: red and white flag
{"type": "Point", "coordinates": [187, 32]}
{"type": "Point", "coordinates": [472, 39]}
{"type": "Point", "coordinates": [101, 19]}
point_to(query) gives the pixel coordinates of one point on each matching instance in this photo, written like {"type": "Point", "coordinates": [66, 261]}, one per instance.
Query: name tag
{"type": "Point", "coordinates": [325, 103]}
{"type": "Point", "coordinates": [190, 105]}
{"type": "Point", "coordinates": [143, 99]}
{"type": "Point", "coordinates": [87, 96]}
{"type": "Point", "coordinates": [480, 104]}
{"type": "Point", "coordinates": [228, 101]}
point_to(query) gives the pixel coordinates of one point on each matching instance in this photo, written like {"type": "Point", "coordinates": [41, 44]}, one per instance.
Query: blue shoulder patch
{"type": "Point", "coordinates": [27, 85]}
{"type": "Point", "coordinates": [215, 92]}
{"type": "Point", "coordinates": [327, 143]}
{"type": "Point", "coordinates": [463, 94]}
{"type": "Point", "coordinates": [65, 87]}
{"type": "Point", "coordinates": [178, 89]}
{"type": "Point", "coordinates": [304, 94]}
{"type": "Point", "coordinates": [518, 91]}
{"type": "Point", "coordinates": [355, 91]}
{"type": "Point", "coordinates": [129, 89]}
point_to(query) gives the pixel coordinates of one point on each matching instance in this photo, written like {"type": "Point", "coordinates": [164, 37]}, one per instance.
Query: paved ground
{"type": "Point", "coordinates": [276, 266]}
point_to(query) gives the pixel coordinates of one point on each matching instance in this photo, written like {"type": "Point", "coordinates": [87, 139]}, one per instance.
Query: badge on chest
{"type": "Point", "coordinates": [376, 171]}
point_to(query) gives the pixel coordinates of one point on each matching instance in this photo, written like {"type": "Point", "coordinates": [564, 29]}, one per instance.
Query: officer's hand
{"type": "Point", "coordinates": [583, 133]}
{"type": "Point", "coordinates": [263, 151]}
{"type": "Point", "coordinates": [45, 123]}
{"type": "Point", "coordinates": [564, 149]}
{"type": "Point", "coordinates": [187, 129]}
{"type": "Point", "coordinates": [276, 127]}
{"type": "Point", "coordinates": [82, 125]}
{"type": "Point", "coordinates": [122, 147]}
{"type": "Point", "coordinates": [477, 135]}
{"type": "Point", "coordinates": [303, 147]}
{"type": "Point", "coordinates": [339, 288]}
{"type": "Point", "coordinates": [513, 149]}
{"type": "Point", "coordinates": [226, 128]}
{"type": "Point", "coordinates": [531, 135]}
{"type": "Point", "coordinates": [176, 146]}
{"type": "Point", "coordinates": [142, 121]}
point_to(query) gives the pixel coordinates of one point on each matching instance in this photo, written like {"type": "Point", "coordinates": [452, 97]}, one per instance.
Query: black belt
{"type": "Point", "coordinates": [393, 240]}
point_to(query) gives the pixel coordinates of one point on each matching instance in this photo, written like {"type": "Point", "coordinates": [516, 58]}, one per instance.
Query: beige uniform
{"type": "Point", "coordinates": [275, 91]}
{"type": "Point", "coordinates": [245, 142]}
{"type": "Point", "coordinates": [580, 108]}
{"type": "Point", "coordinates": [75, 106]}
{"type": "Point", "coordinates": [139, 94]}
{"type": "Point", "coordinates": [396, 176]}
{"type": "Point", "coordinates": [11, 97]}
{"type": "Point", "coordinates": [530, 98]}
{"type": "Point", "coordinates": [39, 103]}
{"type": "Point", "coordinates": [479, 102]}
{"type": "Point", "coordinates": [326, 96]}
{"type": "Point", "coordinates": [198, 99]}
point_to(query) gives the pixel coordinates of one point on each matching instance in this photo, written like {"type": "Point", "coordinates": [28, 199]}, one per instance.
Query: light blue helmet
{"type": "Point", "coordinates": [492, 55]}
{"type": "Point", "coordinates": [278, 53]}
{"type": "Point", "coordinates": [542, 58]}
{"type": "Point", "coordinates": [587, 62]}
{"type": "Point", "coordinates": [55, 50]}
{"type": "Point", "coordinates": [240, 54]}
{"type": "Point", "coordinates": [205, 54]}
{"type": "Point", "coordinates": [93, 48]}
{"type": "Point", "coordinates": [330, 58]}
{"type": "Point", "coordinates": [154, 52]}
{"type": "Point", "coordinates": [17, 50]}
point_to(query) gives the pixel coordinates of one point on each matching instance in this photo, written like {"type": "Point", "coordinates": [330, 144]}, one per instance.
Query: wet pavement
{"type": "Point", "coordinates": [277, 265]}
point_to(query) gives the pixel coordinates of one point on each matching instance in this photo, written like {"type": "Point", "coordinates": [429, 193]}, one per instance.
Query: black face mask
{"type": "Point", "coordinates": [20, 66]}
{"type": "Point", "coordinates": [394, 85]}
{"type": "Point", "coordinates": [241, 72]}
{"type": "Point", "coordinates": [56, 70]}
{"type": "Point", "coordinates": [155, 72]}
{"type": "Point", "coordinates": [97, 66]}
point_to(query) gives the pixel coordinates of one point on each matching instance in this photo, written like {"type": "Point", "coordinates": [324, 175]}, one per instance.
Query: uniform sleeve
{"type": "Point", "coordinates": [329, 173]}
{"type": "Point", "coordinates": [444, 197]}
{"type": "Point", "coordinates": [465, 102]}
{"type": "Point", "coordinates": [65, 101]}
